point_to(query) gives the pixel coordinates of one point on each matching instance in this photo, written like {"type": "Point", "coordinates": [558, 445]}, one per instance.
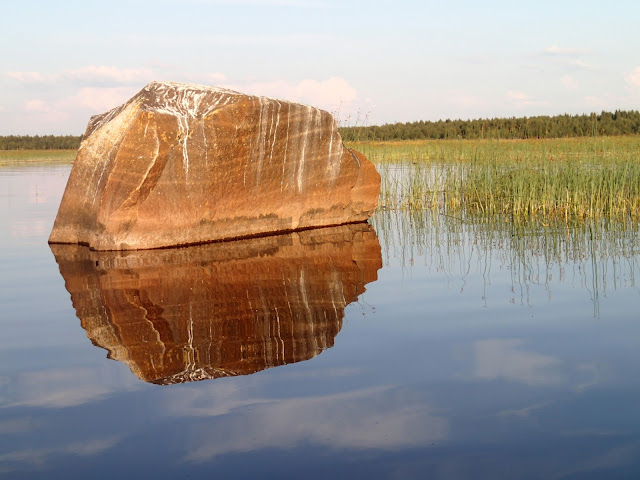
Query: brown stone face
{"type": "Point", "coordinates": [221, 309]}
{"type": "Point", "coordinates": [181, 164]}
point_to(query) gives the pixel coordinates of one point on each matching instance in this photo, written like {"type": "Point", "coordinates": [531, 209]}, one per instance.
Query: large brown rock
{"type": "Point", "coordinates": [182, 164]}
{"type": "Point", "coordinates": [220, 309]}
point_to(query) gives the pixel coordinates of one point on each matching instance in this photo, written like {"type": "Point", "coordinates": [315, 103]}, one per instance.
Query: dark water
{"type": "Point", "coordinates": [421, 347]}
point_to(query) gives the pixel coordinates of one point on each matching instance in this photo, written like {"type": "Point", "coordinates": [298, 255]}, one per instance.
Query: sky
{"type": "Point", "coordinates": [368, 62]}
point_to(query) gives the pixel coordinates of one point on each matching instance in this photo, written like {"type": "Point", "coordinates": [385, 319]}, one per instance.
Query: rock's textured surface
{"type": "Point", "coordinates": [182, 164]}
{"type": "Point", "coordinates": [221, 309]}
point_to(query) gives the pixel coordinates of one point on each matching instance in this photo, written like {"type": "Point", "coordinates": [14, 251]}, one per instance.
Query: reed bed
{"type": "Point", "coordinates": [13, 158]}
{"type": "Point", "coordinates": [577, 178]}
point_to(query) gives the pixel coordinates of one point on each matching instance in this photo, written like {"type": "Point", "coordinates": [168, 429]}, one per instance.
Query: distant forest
{"type": "Point", "coordinates": [559, 126]}
{"type": "Point", "coordinates": [46, 142]}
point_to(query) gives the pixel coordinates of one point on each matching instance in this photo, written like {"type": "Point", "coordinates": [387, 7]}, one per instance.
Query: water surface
{"type": "Point", "coordinates": [424, 346]}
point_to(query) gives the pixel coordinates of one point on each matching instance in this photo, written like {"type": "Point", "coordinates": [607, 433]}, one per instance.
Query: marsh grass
{"type": "Point", "coordinates": [13, 158]}
{"type": "Point", "coordinates": [577, 178]}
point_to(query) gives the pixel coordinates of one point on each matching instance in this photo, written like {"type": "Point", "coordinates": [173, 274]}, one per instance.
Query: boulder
{"type": "Point", "coordinates": [182, 164]}
{"type": "Point", "coordinates": [221, 309]}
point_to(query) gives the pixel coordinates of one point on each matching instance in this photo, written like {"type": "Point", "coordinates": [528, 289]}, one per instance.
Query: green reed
{"type": "Point", "coordinates": [545, 179]}
{"type": "Point", "coordinates": [12, 158]}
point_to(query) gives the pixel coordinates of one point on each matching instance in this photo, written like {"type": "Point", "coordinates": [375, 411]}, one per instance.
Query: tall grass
{"type": "Point", "coordinates": [576, 178]}
{"type": "Point", "coordinates": [12, 158]}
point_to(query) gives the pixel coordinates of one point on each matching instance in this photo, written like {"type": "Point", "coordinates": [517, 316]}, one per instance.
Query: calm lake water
{"type": "Point", "coordinates": [419, 347]}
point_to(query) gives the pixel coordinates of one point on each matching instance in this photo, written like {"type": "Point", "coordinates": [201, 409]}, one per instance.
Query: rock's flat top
{"type": "Point", "coordinates": [221, 309]}
{"type": "Point", "coordinates": [183, 164]}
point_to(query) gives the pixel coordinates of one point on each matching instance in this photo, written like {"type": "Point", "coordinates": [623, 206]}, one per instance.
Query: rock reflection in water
{"type": "Point", "coordinates": [223, 309]}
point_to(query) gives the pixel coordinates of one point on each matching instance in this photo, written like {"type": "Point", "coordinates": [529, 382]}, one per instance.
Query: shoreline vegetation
{"type": "Point", "coordinates": [13, 158]}
{"type": "Point", "coordinates": [549, 179]}
{"type": "Point", "coordinates": [546, 180]}
{"type": "Point", "coordinates": [38, 142]}
{"type": "Point", "coordinates": [620, 122]}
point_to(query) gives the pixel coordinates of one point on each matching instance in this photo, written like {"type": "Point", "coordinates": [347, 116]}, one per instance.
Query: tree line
{"type": "Point", "coordinates": [558, 126]}
{"type": "Point", "coordinates": [37, 142]}
{"type": "Point", "coordinates": [619, 122]}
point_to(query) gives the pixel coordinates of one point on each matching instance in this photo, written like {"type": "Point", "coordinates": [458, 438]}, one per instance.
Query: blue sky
{"type": "Point", "coordinates": [369, 62]}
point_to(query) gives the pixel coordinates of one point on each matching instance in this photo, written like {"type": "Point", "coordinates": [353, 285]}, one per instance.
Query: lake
{"type": "Point", "coordinates": [420, 346]}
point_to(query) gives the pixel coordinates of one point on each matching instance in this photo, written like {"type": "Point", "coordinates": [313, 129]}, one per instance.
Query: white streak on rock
{"type": "Point", "coordinates": [117, 124]}
{"type": "Point", "coordinates": [204, 140]}
{"type": "Point", "coordinates": [184, 102]}
{"type": "Point", "coordinates": [305, 133]}
{"type": "Point", "coordinates": [183, 126]}
{"type": "Point", "coordinates": [191, 353]}
{"type": "Point", "coordinates": [330, 146]}
{"type": "Point", "coordinates": [302, 283]}
{"type": "Point", "coordinates": [275, 131]}
{"type": "Point", "coordinates": [335, 158]}
{"type": "Point", "coordinates": [336, 287]}
{"type": "Point", "coordinates": [279, 335]}
{"type": "Point", "coordinates": [151, 163]}
{"type": "Point", "coordinates": [105, 164]}
{"type": "Point", "coordinates": [286, 146]}
{"type": "Point", "coordinates": [261, 138]}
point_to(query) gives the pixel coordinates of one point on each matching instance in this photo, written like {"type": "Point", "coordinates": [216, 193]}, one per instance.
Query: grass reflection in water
{"type": "Point", "coordinates": [595, 255]}
{"type": "Point", "coordinates": [547, 210]}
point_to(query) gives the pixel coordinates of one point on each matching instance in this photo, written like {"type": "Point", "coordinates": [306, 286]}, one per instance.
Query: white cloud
{"type": "Point", "coordinates": [18, 425]}
{"type": "Point", "coordinates": [87, 74]}
{"type": "Point", "coordinates": [517, 96]}
{"type": "Point", "coordinates": [333, 91]}
{"type": "Point", "coordinates": [555, 50]}
{"type": "Point", "coordinates": [47, 116]}
{"type": "Point", "coordinates": [524, 411]}
{"type": "Point", "coordinates": [213, 78]}
{"type": "Point", "coordinates": [580, 65]}
{"type": "Point", "coordinates": [633, 79]}
{"type": "Point", "coordinates": [606, 102]}
{"type": "Point", "coordinates": [30, 77]}
{"type": "Point", "coordinates": [38, 457]}
{"type": "Point", "coordinates": [94, 89]}
{"type": "Point", "coordinates": [521, 99]}
{"type": "Point", "coordinates": [569, 82]}
{"type": "Point", "coordinates": [331, 94]}
{"type": "Point", "coordinates": [58, 388]}
{"type": "Point", "coordinates": [42, 113]}
{"type": "Point", "coordinates": [103, 73]}
{"type": "Point", "coordinates": [502, 358]}
{"type": "Point", "coordinates": [354, 419]}
{"type": "Point", "coordinates": [99, 99]}
{"type": "Point", "coordinates": [571, 58]}
{"type": "Point", "coordinates": [465, 100]}
{"type": "Point", "coordinates": [37, 106]}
